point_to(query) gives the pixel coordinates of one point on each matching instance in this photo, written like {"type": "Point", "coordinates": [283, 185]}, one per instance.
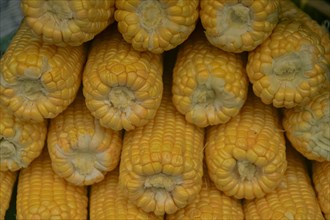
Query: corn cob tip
{"type": "Point", "coordinates": [237, 26]}
{"type": "Point", "coordinates": [65, 23]}
{"type": "Point", "coordinates": [20, 142]}
{"type": "Point", "coordinates": [156, 26]}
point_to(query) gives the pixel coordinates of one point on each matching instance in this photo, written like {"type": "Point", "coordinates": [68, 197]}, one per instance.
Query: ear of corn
{"type": "Point", "coordinates": [294, 198]}
{"type": "Point", "coordinates": [161, 164]}
{"type": "Point", "coordinates": [209, 85]}
{"type": "Point", "coordinates": [68, 22]}
{"type": "Point", "coordinates": [80, 149]}
{"type": "Point", "coordinates": [41, 194]}
{"type": "Point", "coordinates": [246, 156]}
{"type": "Point", "coordinates": [7, 181]}
{"type": "Point", "coordinates": [321, 180]}
{"type": "Point", "coordinates": [210, 203]}
{"type": "Point", "coordinates": [238, 26]}
{"type": "Point", "coordinates": [107, 202]}
{"type": "Point", "coordinates": [123, 87]}
{"type": "Point", "coordinates": [37, 80]}
{"type": "Point", "coordinates": [20, 142]}
{"type": "Point", "coordinates": [288, 67]}
{"type": "Point", "coordinates": [289, 11]}
{"type": "Point", "coordinates": [156, 25]}
{"type": "Point", "coordinates": [308, 126]}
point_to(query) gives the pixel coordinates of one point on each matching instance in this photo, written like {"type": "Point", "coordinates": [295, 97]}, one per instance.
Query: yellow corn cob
{"type": "Point", "coordinates": [321, 180]}
{"type": "Point", "coordinates": [107, 202]}
{"type": "Point", "coordinates": [80, 149]}
{"type": "Point", "coordinates": [123, 87]}
{"type": "Point", "coordinates": [238, 26]}
{"type": "Point", "coordinates": [209, 85]}
{"type": "Point", "coordinates": [7, 181]}
{"type": "Point", "coordinates": [67, 22]}
{"type": "Point", "coordinates": [20, 142]}
{"type": "Point", "coordinates": [289, 11]}
{"type": "Point", "coordinates": [308, 126]}
{"type": "Point", "coordinates": [41, 194]}
{"type": "Point", "coordinates": [210, 203]}
{"type": "Point", "coordinates": [162, 162]}
{"type": "Point", "coordinates": [294, 198]}
{"type": "Point", "coordinates": [156, 25]}
{"type": "Point", "coordinates": [288, 67]}
{"type": "Point", "coordinates": [246, 156]}
{"type": "Point", "coordinates": [37, 80]}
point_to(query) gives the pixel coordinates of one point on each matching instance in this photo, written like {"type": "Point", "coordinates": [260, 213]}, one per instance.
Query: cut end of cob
{"type": "Point", "coordinates": [160, 182]}
{"type": "Point", "coordinates": [321, 138]}
{"type": "Point", "coordinates": [64, 23]}
{"type": "Point", "coordinates": [237, 26]}
{"type": "Point", "coordinates": [292, 66]}
{"type": "Point", "coordinates": [203, 96]}
{"type": "Point", "coordinates": [308, 127]}
{"type": "Point", "coordinates": [161, 186]}
{"type": "Point", "coordinates": [234, 19]}
{"type": "Point", "coordinates": [246, 170]}
{"type": "Point", "coordinates": [209, 99]}
{"type": "Point", "coordinates": [156, 26]}
{"type": "Point", "coordinates": [59, 8]}
{"type": "Point", "coordinates": [213, 93]}
{"type": "Point", "coordinates": [287, 74]}
{"type": "Point", "coordinates": [121, 97]}
{"type": "Point", "coordinates": [7, 149]}
{"type": "Point", "coordinates": [83, 164]}
{"type": "Point", "coordinates": [151, 14]}
{"type": "Point", "coordinates": [31, 89]}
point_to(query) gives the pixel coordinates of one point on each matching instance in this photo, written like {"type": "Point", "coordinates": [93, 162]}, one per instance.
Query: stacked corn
{"type": "Point", "coordinates": [161, 163]}
{"type": "Point", "coordinates": [198, 109]}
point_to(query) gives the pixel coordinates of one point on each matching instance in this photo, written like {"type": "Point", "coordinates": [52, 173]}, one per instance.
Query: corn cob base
{"type": "Point", "coordinates": [154, 25]}
{"type": "Point", "coordinates": [246, 156]}
{"type": "Point", "coordinates": [81, 150]}
{"type": "Point", "coordinates": [123, 87]}
{"type": "Point", "coordinates": [64, 23]}
{"type": "Point", "coordinates": [161, 162]}
{"type": "Point", "coordinates": [237, 26]}
{"type": "Point", "coordinates": [107, 202]}
{"type": "Point", "coordinates": [20, 142]}
{"type": "Point", "coordinates": [38, 80]}
{"type": "Point", "coordinates": [209, 85]}
{"type": "Point", "coordinates": [288, 67]}
{"type": "Point", "coordinates": [294, 198]}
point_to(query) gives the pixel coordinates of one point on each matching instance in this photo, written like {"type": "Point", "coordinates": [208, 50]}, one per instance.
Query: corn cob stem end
{"type": "Point", "coordinates": [84, 162]}
{"type": "Point", "coordinates": [246, 170]}
{"type": "Point", "coordinates": [61, 9]}
{"type": "Point", "coordinates": [237, 19]}
{"type": "Point", "coordinates": [7, 149]}
{"type": "Point", "coordinates": [150, 14]}
{"type": "Point", "coordinates": [32, 89]}
{"type": "Point", "coordinates": [121, 97]}
{"type": "Point", "coordinates": [160, 181]}
{"type": "Point", "coordinates": [203, 95]}
{"type": "Point", "coordinates": [289, 66]}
